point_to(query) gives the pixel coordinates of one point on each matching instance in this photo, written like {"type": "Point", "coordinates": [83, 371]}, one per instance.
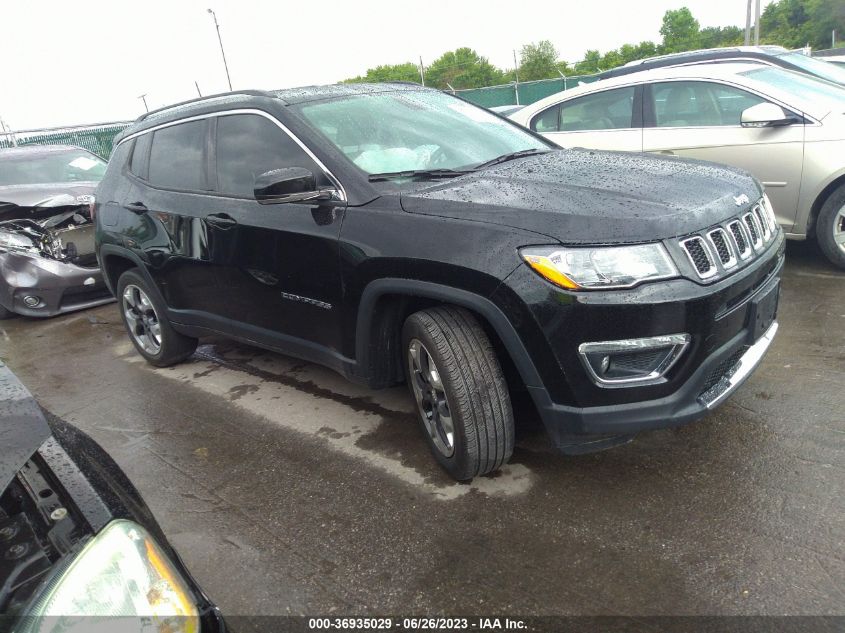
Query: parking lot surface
{"type": "Point", "coordinates": [288, 490]}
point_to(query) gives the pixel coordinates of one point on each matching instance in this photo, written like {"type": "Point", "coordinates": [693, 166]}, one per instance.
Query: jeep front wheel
{"type": "Point", "coordinates": [460, 391]}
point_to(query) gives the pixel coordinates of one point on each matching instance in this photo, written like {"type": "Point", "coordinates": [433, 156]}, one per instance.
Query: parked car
{"type": "Point", "coordinates": [395, 232]}
{"type": "Point", "coordinates": [78, 543]}
{"type": "Point", "coordinates": [786, 128]}
{"type": "Point", "coordinates": [760, 55]}
{"type": "Point", "coordinates": [47, 260]}
{"type": "Point", "coordinates": [835, 56]}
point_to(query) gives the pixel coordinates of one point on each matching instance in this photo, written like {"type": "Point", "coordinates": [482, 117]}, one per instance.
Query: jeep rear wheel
{"type": "Point", "coordinates": [460, 391]}
{"type": "Point", "coordinates": [146, 322]}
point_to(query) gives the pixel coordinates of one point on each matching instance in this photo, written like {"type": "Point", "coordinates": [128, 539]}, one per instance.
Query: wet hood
{"type": "Point", "coordinates": [42, 200]}
{"type": "Point", "coordinates": [22, 426]}
{"type": "Point", "coordinates": [587, 196]}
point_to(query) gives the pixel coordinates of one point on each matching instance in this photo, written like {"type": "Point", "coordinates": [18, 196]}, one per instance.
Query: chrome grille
{"type": "Point", "coordinates": [698, 253]}
{"type": "Point", "coordinates": [764, 225]}
{"type": "Point", "coordinates": [743, 247]}
{"type": "Point", "coordinates": [719, 239]}
{"type": "Point", "coordinates": [731, 244]}
{"type": "Point", "coordinates": [753, 230]}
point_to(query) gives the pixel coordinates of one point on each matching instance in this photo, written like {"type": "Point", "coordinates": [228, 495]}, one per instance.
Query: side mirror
{"type": "Point", "coordinates": [290, 184]}
{"type": "Point", "coordinates": [765, 115]}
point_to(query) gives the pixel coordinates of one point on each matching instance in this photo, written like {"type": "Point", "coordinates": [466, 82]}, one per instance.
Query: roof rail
{"type": "Point", "coordinates": [250, 93]}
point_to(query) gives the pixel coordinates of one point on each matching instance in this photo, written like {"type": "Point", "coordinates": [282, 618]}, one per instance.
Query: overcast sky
{"type": "Point", "coordinates": [87, 61]}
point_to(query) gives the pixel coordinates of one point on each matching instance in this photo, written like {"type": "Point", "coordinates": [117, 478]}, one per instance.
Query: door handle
{"type": "Point", "coordinates": [221, 220]}
{"type": "Point", "coordinates": [667, 152]}
{"type": "Point", "coordinates": [136, 207]}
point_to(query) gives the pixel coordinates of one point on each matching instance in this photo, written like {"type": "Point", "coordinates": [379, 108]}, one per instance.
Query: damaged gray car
{"type": "Point", "coordinates": [47, 261]}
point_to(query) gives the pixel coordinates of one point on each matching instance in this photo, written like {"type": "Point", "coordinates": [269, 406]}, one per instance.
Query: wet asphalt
{"type": "Point", "coordinates": [288, 490]}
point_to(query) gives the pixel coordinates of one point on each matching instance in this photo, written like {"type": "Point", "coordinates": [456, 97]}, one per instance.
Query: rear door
{"type": "Point", "coordinates": [610, 119]}
{"type": "Point", "coordinates": [278, 264]}
{"type": "Point", "coordinates": [701, 119]}
{"type": "Point", "coordinates": [168, 201]}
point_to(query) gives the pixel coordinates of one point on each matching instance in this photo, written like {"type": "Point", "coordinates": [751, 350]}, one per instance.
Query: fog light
{"type": "Point", "coordinates": [31, 301]}
{"type": "Point", "coordinates": [632, 362]}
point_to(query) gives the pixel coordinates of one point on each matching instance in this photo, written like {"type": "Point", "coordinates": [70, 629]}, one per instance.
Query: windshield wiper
{"type": "Point", "coordinates": [417, 173]}
{"type": "Point", "coordinates": [511, 156]}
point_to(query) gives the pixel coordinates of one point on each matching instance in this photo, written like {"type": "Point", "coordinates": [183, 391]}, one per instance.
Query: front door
{"type": "Point", "coordinates": [701, 119]}
{"type": "Point", "coordinates": [277, 265]}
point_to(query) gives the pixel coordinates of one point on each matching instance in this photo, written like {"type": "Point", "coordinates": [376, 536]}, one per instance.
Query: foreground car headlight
{"type": "Point", "coordinates": [601, 267]}
{"type": "Point", "coordinates": [15, 240]}
{"type": "Point", "coordinates": [120, 572]}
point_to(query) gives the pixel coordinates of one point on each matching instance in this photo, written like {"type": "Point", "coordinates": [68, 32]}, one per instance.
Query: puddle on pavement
{"type": "Point", "coordinates": [312, 400]}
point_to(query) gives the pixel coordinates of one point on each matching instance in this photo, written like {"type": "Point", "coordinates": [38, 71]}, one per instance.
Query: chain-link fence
{"type": "Point", "coordinates": [97, 138]}
{"type": "Point", "coordinates": [528, 92]}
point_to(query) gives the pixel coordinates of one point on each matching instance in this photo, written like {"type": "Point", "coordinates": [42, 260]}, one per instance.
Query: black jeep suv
{"type": "Point", "coordinates": [396, 233]}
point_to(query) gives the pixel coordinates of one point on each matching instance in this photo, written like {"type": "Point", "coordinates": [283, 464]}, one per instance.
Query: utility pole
{"type": "Point", "coordinates": [748, 24]}
{"type": "Point", "coordinates": [422, 72]}
{"type": "Point", "coordinates": [143, 98]}
{"type": "Point", "coordinates": [833, 39]}
{"type": "Point", "coordinates": [757, 25]}
{"type": "Point", "coordinates": [222, 52]}
{"type": "Point", "coordinates": [516, 76]}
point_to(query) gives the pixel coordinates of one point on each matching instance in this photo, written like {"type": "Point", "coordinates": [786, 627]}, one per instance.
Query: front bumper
{"type": "Point", "coordinates": [728, 341]}
{"type": "Point", "coordinates": [59, 287]}
{"type": "Point", "coordinates": [579, 430]}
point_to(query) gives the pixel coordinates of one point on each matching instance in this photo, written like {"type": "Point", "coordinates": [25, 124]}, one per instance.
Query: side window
{"type": "Point", "coordinates": [547, 120]}
{"type": "Point", "coordinates": [607, 110]}
{"type": "Point", "coordinates": [140, 154]}
{"type": "Point", "coordinates": [249, 145]}
{"type": "Point", "coordinates": [177, 158]}
{"type": "Point", "coordinates": [700, 104]}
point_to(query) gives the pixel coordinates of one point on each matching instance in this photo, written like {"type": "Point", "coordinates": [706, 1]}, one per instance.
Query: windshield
{"type": "Point", "coordinates": [408, 131]}
{"type": "Point", "coordinates": [51, 167]}
{"type": "Point", "coordinates": [817, 67]}
{"type": "Point", "coordinates": [809, 89]}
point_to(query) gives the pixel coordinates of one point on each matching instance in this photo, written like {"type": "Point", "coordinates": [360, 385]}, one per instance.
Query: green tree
{"type": "Point", "coordinates": [538, 61]}
{"type": "Point", "coordinates": [718, 36]}
{"type": "Point", "coordinates": [462, 68]}
{"type": "Point", "coordinates": [389, 72]}
{"type": "Point", "coordinates": [680, 31]}
{"type": "Point", "coordinates": [590, 64]}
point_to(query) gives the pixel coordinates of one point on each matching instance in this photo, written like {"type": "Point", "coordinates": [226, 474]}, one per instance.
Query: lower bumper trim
{"type": "Point", "coordinates": [737, 374]}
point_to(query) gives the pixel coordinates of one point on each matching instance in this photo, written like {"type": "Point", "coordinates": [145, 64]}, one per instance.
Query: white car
{"type": "Point", "coordinates": [786, 128]}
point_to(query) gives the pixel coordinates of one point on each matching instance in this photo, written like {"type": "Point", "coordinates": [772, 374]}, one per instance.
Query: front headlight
{"type": "Point", "coordinates": [601, 267]}
{"type": "Point", "coordinates": [121, 572]}
{"type": "Point", "coordinates": [15, 240]}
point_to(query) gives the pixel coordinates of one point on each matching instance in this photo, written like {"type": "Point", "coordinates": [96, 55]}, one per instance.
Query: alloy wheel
{"type": "Point", "coordinates": [142, 319]}
{"type": "Point", "coordinates": [430, 395]}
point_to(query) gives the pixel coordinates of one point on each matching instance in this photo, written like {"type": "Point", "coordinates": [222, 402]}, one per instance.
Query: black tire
{"type": "Point", "coordinates": [173, 347]}
{"type": "Point", "coordinates": [830, 220]}
{"type": "Point", "coordinates": [5, 313]}
{"type": "Point", "coordinates": [477, 398]}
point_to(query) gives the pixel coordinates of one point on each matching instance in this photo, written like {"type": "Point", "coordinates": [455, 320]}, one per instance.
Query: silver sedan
{"type": "Point", "coordinates": [786, 128]}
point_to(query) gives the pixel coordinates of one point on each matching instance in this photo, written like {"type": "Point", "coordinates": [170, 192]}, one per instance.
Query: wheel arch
{"type": "Point", "coordinates": [837, 182]}
{"type": "Point", "coordinates": [115, 260]}
{"type": "Point", "coordinates": [386, 303]}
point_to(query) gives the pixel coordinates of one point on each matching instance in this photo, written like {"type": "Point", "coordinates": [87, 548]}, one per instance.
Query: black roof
{"type": "Point", "coordinates": [287, 96]}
